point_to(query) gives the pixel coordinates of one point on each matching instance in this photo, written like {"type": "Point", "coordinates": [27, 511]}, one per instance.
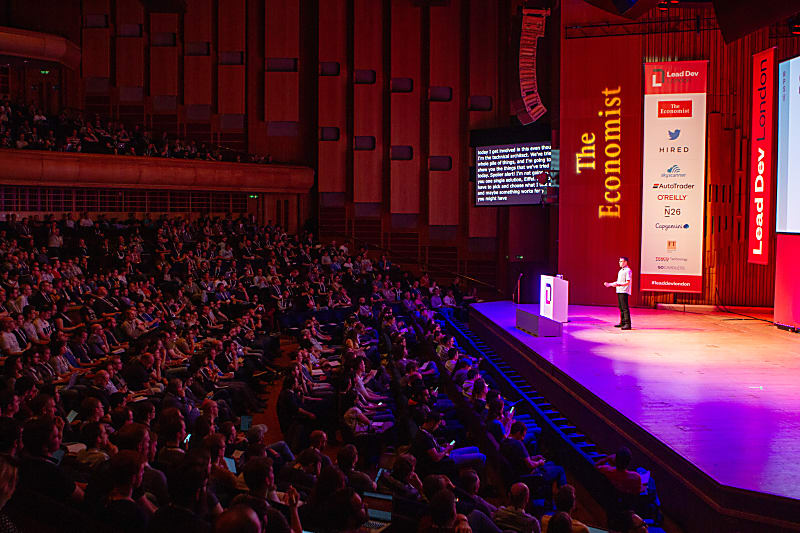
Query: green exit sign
{"type": "Point", "coordinates": [44, 72]}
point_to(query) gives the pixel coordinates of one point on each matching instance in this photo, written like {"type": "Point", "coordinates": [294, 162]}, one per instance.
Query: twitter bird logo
{"type": "Point", "coordinates": [674, 134]}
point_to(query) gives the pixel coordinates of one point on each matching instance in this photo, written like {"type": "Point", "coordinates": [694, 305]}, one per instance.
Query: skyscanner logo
{"type": "Point", "coordinates": [673, 172]}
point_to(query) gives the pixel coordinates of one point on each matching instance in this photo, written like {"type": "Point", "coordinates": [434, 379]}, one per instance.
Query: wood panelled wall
{"type": "Point", "coordinates": [377, 95]}
{"type": "Point", "coordinates": [224, 72]}
{"type": "Point", "coordinates": [408, 72]}
{"type": "Point", "coordinates": [728, 278]}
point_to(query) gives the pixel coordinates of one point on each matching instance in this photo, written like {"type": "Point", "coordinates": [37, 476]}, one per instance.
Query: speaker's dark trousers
{"type": "Point", "coordinates": [624, 310]}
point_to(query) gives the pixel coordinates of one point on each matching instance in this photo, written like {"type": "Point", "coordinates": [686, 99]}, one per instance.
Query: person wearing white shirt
{"type": "Point", "coordinates": [623, 288]}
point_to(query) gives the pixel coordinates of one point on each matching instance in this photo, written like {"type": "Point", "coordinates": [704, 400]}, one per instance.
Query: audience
{"type": "Point", "coordinates": [28, 128]}
{"type": "Point", "coordinates": [146, 346]}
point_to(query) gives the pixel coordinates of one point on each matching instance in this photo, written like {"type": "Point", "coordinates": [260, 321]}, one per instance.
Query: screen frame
{"type": "Point", "coordinates": [500, 143]}
{"type": "Point", "coordinates": [780, 163]}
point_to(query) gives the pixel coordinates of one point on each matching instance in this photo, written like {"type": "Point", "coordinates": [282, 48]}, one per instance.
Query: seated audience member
{"type": "Point", "coordinates": [514, 516]}
{"type": "Point", "coordinates": [561, 522]}
{"type": "Point", "coordinates": [303, 472]}
{"type": "Point", "coordinates": [39, 471]}
{"type": "Point", "coordinates": [402, 481]}
{"type": "Point", "coordinates": [238, 519]}
{"type": "Point", "coordinates": [98, 449]}
{"type": "Point", "coordinates": [346, 460]}
{"type": "Point", "coordinates": [188, 494]}
{"type": "Point", "coordinates": [615, 469]}
{"type": "Point", "coordinates": [119, 508]}
{"type": "Point", "coordinates": [9, 475]}
{"type": "Point", "coordinates": [514, 450]}
{"type": "Point", "coordinates": [432, 457]}
{"type": "Point", "coordinates": [347, 512]}
{"type": "Point", "coordinates": [260, 480]}
{"type": "Point", "coordinates": [443, 515]}
{"type": "Point", "coordinates": [471, 483]}
{"type": "Point", "coordinates": [565, 503]}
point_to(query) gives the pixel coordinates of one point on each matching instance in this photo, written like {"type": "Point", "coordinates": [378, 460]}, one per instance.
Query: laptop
{"type": "Point", "coordinates": [378, 521]}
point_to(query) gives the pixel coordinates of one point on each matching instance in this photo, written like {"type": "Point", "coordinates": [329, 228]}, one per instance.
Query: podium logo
{"type": "Point", "coordinates": [672, 246]}
{"type": "Point", "coordinates": [548, 293]}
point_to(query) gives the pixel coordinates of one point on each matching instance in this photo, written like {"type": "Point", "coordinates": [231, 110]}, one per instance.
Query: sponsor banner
{"type": "Point", "coordinates": [762, 170]}
{"type": "Point", "coordinates": [673, 176]}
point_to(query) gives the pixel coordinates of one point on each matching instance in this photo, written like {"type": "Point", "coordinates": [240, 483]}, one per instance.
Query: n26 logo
{"type": "Point", "coordinates": [671, 211]}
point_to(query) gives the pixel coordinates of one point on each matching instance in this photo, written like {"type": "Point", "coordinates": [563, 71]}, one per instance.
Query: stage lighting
{"type": "Point", "coordinates": [663, 5]}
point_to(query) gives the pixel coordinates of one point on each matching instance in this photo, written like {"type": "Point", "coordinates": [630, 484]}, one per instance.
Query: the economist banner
{"type": "Point", "coordinates": [673, 188]}
{"type": "Point", "coordinates": [600, 137]}
{"type": "Point", "coordinates": [761, 162]}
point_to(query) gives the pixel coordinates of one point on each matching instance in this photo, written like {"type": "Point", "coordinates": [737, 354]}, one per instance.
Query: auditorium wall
{"type": "Point", "coordinates": [588, 245]}
{"type": "Point", "coordinates": [378, 96]}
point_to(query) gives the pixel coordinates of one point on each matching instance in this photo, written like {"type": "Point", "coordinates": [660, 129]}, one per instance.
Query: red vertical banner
{"type": "Point", "coordinates": [762, 166]}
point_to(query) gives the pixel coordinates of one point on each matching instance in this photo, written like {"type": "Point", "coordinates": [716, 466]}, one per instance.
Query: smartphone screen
{"type": "Point", "coordinates": [452, 442]}
{"type": "Point", "coordinates": [71, 416]}
{"type": "Point", "coordinates": [186, 440]}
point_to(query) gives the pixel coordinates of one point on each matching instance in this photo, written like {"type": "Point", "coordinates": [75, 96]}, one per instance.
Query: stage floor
{"type": "Point", "coordinates": [720, 389]}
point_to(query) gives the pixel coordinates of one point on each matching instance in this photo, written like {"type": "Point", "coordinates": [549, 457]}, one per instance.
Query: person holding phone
{"type": "Point", "coordinates": [432, 458]}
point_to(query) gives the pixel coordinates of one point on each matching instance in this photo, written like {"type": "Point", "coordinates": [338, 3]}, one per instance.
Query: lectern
{"type": "Point", "coordinates": [554, 298]}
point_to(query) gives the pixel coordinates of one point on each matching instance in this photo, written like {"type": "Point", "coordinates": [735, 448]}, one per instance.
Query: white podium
{"type": "Point", "coordinates": [554, 298]}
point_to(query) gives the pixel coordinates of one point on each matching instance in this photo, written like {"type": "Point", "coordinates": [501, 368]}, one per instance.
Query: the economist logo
{"type": "Point", "coordinates": [674, 109]}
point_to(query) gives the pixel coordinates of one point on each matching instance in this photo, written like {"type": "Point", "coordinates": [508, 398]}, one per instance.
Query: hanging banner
{"type": "Point", "coordinates": [761, 161]}
{"type": "Point", "coordinates": [673, 188]}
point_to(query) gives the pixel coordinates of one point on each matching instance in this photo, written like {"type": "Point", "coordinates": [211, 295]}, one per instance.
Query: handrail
{"type": "Point", "coordinates": [426, 267]}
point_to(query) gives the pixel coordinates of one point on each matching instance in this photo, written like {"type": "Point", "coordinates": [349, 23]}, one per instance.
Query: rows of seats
{"type": "Point", "coordinates": [574, 447]}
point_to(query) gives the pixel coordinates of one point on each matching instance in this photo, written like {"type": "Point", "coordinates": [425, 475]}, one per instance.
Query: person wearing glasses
{"type": "Point", "coordinates": [623, 288]}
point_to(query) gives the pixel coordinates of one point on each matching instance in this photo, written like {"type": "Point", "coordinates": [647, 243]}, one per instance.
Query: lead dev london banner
{"type": "Point", "coordinates": [674, 176]}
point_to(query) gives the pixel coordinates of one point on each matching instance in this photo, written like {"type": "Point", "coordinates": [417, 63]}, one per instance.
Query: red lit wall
{"type": "Point", "coordinates": [483, 82]}
{"type": "Point", "coordinates": [368, 96]}
{"type": "Point", "coordinates": [444, 117]}
{"type": "Point", "coordinates": [405, 108]}
{"type": "Point", "coordinates": [333, 87]}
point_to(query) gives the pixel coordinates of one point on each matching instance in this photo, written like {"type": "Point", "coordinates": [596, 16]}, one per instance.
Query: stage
{"type": "Point", "coordinates": [719, 390]}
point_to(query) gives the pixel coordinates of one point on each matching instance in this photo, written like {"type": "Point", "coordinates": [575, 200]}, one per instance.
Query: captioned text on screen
{"type": "Point", "coordinates": [510, 174]}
